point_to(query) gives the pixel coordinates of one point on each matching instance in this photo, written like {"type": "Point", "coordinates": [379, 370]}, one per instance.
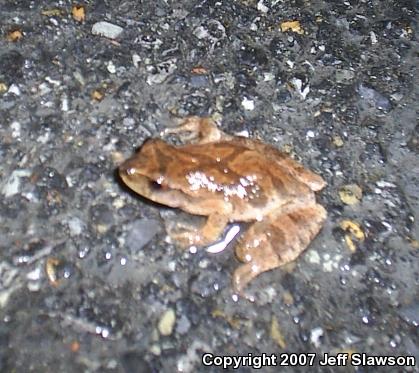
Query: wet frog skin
{"type": "Point", "coordinates": [227, 179]}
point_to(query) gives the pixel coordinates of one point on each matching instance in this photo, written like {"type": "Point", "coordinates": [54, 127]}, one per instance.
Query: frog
{"type": "Point", "coordinates": [229, 179]}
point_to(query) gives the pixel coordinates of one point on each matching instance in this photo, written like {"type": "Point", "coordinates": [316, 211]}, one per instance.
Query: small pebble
{"type": "Point", "coordinates": [155, 349]}
{"type": "Point", "coordinates": [373, 37]}
{"type": "Point", "coordinates": [15, 126]}
{"type": "Point", "coordinates": [302, 90]}
{"type": "Point", "coordinates": [167, 322]}
{"type": "Point", "coordinates": [64, 103]}
{"type": "Point", "coordinates": [106, 29]}
{"type": "Point", "coordinates": [111, 67]}
{"type": "Point", "coordinates": [337, 141]}
{"type": "Point", "coordinates": [267, 77]}
{"type": "Point", "coordinates": [34, 275]}
{"type": "Point", "coordinates": [313, 257]}
{"type": "Point", "coordinates": [12, 186]}
{"type": "Point", "coordinates": [344, 75]}
{"type": "Point", "coordinates": [315, 336]}
{"type": "Point", "coordinates": [374, 98]}
{"type": "Point", "coordinates": [385, 184]}
{"type": "Point", "coordinates": [14, 89]}
{"type": "Point", "coordinates": [262, 7]}
{"type": "Point", "coordinates": [248, 104]}
{"type": "Point", "coordinates": [76, 226]}
{"type": "Point", "coordinates": [136, 59]}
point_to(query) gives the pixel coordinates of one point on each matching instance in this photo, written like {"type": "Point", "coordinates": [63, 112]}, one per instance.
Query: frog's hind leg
{"type": "Point", "coordinates": [202, 130]}
{"type": "Point", "coordinates": [203, 236]}
{"type": "Point", "coordinates": [277, 241]}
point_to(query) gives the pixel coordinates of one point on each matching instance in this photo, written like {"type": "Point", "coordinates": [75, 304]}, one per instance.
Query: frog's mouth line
{"type": "Point", "coordinates": [149, 188]}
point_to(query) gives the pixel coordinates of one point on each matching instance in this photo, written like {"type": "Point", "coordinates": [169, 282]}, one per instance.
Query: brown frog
{"type": "Point", "coordinates": [228, 179]}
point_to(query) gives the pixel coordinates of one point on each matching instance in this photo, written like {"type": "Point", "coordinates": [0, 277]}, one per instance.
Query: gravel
{"type": "Point", "coordinates": [89, 280]}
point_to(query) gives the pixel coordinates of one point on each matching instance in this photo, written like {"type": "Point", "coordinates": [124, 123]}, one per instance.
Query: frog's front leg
{"type": "Point", "coordinates": [274, 242]}
{"type": "Point", "coordinates": [203, 236]}
{"type": "Point", "coordinates": [202, 130]}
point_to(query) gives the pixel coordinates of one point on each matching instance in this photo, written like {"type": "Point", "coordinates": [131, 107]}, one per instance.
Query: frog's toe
{"type": "Point", "coordinates": [201, 130]}
{"type": "Point", "coordinates": [184, 239]}
{"type": "Point", "coordinates": [186, 135]}
{"type": "Point", "coordinates": [241, 277]}
{"type": "Point", "coordinates": [187, 238]}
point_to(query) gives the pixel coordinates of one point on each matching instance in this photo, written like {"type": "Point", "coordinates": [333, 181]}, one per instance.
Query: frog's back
{"type": "Point", "coordinates": [240, 175]}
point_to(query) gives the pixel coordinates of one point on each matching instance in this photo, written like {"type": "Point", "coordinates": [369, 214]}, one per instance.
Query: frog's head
{"type": "Point", "coordinates": [146, 173]}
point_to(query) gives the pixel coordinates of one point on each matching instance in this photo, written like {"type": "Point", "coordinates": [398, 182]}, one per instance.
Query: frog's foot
{"type": "Point", "coordinates": [247, 272]}
{"type": "Point", "coordinates": [201, 130]}
{"type": "Point", "coordinates": [203, 236]}
{"type": "Point", "coordinates": [279, 240]}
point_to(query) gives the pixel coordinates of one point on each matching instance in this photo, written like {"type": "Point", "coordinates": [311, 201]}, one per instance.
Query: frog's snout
{"type": "Point", "coordinates": [126, 170]}
{"type": "Point", "coordinates": [129, 171]}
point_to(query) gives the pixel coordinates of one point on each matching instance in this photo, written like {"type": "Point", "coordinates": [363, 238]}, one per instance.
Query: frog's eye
{"type": "Point", "coordinates": [130, 171]}
{"type": "Point", "coordinates": [156, 186]}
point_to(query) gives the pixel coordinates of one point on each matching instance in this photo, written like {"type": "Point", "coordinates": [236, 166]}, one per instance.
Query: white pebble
{"type": "Point", "coordinates": [64, 103]}
{"type": "Point", "coordinates": [248, 104]}
{"type": "Point", "coordinates": [290, 63]}
{"type": "Point", "coordinates": [262, 7]}
{"type": "Point", "coordinates": [315, 335]}
{"type": "Point", "coordinates": [14, 89]}
{"type": "Point", "coordinates": [76, 226]}
{"type": "Point", "coordinates": [385, 184]}
{"type": "Point", "coordinates": [34, 275]}
{"type": "Point", "coordinates": [106, 29]}
{"type": "Point", "coordinates": [373, 37]}
{"type": "Point", "coordinates": [313, 257]}
{"type": "Point", "coordinates": [267, 77]}
{"type": "Point", "coordinates": [111, 67]}
{"type": "Point", "coordinates": [55, 82]}
{"type": "Point", "coordinates": [15, 126]}
{"type": "Point", "coordinates": [11, 187]}
{"type": "Point", "coordinates": [136, 59]}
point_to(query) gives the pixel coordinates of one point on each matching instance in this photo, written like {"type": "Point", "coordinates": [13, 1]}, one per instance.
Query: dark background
{"type": "Point", "coordinates": [86, 272]}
